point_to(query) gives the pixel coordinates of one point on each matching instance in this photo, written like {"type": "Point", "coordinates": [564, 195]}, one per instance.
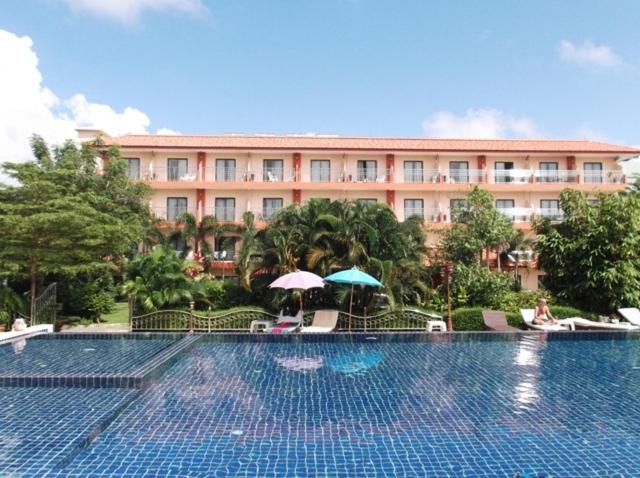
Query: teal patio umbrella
{"type": "Point", "coordinates": [353, 276]}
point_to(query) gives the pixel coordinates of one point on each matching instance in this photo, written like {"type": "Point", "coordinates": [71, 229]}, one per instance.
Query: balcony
{"type": "Point", "coordinates": [428, 215]}
{"type": "Point", "coordinates": [224, 214]}
{"type": "Point", "coordinates": [170, 214]}
{"type": "Point", "coordinates": [516, 214]}
{"type": "Point", "coordinates": [162, 174]}
{"type": "Point", "coordinates": [511, 176]}
{"type": "Point", "coordinates": [419, 176]}
{"type": "Point", "coordinates": [552, 214]}
{"type": "Point", "coordinates": [465, 176]}
{"type": "Point", "coordinates": [604, 177]}
{"type": "Point", "coordinates": [365, 175]}
{"type": "Point", "coordinates": [546, 176]}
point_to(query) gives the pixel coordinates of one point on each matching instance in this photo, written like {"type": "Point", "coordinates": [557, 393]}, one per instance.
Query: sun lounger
{"type": "Point", "coordinates": [323, 321]}
{"type": "Point", "coordinates": [496, 320]}
{"type": "Point", "coordinates": [584, 324]}
{"type": "Point", "coordinates": [561, 326]}
{"type": "Point", "coordinates": [631, 315]}
{"type": "Point", "coordinates": [286, 324]}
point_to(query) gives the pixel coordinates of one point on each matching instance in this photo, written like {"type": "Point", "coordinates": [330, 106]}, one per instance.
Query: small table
{"type": "Point", "coordinates": [436, 326]}
{"type": "Point", "coordinates": [259, 325]}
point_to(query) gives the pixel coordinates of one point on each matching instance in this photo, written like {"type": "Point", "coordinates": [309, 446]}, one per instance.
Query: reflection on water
{"type": "Point", "coordinates": [300, 364]}
{"type": "Point", "coordinates": [18, 345]}
{"type": "Point", "coordinates": [528, 354]}
{"type": "Point", "coordinates": [355, 362]}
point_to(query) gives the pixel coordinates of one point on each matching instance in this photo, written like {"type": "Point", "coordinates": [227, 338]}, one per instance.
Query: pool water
{"type": "Point", "coordinates": [469, 405]}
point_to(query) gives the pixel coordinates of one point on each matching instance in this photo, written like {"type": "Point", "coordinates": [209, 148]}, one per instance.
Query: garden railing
{"type": "Point", "coordinates": [240, 321]}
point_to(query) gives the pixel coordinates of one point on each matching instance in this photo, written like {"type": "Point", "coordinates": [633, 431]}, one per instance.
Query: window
{"type": "Point", "coordinates": [548, 173]}
{"type": "Point", "coordinates": [459, 171]}
{"type": "Point", "coordinates": [178, 243]}
{"type": "Point", "coordinates": [133, 168]}
{"type": "Point", "coordinates": [225, 209]}
{"type": "Point", "coordinates": [413, 172]}
{"type": "Point", "coordinates": [175, 207]}
{"type": "Point", "coordinates": [367, 171]}
{"type": "Point", "coordinates": [272, 170]}
{"type": "Point", "coordinates": [413, 208]}
{"type": "Point", "coordinates": [176, 169]}
{"type": "Point", "coordinates": [225, 248]}
{"type": "Point", "coordinates": [456, 207]}
{"type": "Point", "coordinates": [505, 203]}
{"type": "Point", "coordinates": [270, 207]}
{"type": "Point", "coordinates": [225, 170]}
{"type": "Point", "coordinates": [503, 172]}
{"type": "Point", "coordinates": [320, 170]}
{"type": "Point", "coordinates": [592, 172]}
{"type": "Point", "coordinates": [367, 201]}
{"type": "Point", "coordinates": [550, 208]}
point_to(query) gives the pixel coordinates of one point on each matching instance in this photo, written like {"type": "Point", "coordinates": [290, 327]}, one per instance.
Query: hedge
{"type": "Point", "coordinates": [470, 318]}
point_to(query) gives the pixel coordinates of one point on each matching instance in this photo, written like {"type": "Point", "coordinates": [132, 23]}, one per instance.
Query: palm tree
{"type": "Point", "coordinates": [250, 250]}
{"type": "Point", "coordinates": [196, 233]}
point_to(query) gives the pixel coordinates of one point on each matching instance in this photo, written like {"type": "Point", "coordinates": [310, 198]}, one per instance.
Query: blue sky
{"type": "Point", "coordinates": [348, 67]}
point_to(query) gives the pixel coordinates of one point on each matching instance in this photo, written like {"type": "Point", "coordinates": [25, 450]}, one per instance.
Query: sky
{"type": "Point", "coordinates": [491, 69]}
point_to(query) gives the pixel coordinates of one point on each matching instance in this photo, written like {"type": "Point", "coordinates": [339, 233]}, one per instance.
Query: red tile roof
{"type": "Point", "coordinates": [338, 143]}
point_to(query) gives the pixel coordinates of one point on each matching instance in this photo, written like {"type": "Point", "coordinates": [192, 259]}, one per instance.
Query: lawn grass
{"type": "Point", "coordinates": [119, 314]}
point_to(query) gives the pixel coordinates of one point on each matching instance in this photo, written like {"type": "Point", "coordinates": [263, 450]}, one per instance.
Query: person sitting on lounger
{"type": "Point", "coordinates": [542, 314]}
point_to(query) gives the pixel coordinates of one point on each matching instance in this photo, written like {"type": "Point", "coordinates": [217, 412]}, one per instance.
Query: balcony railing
{"type": "Point", "coordinates": [465, 176]}
{"type": "Point", "coordinates": [277, 175]}
{"type": "Point", "coordinates": [428, 215]}
{"type": "Point", "coordinates": [516, 214]}
{"type": "Point", "coordinates": [223, 213]}
{"type": "Point", "coordinates": [162, 174]}
{"type": "Point", "coordinates": [226, 175]}
{"type": "Point", "coordinates": [323, 175]}
{"type": "Point", "coordinates": [266, 213]}
{"type": "Point", "coordinates": [418, 176]}
{"type": "Point", "coordinates": [603, 177]}
{"type": "Point", "coordinates": [516, 176]}
{"type": "Point", "coordinates": [365, 175]}
{"type": "Point", "coordinates": [552, 214]}
{"type": "Point", "coordinates": [558, 176]}
{"type": "Point", "coordinates": [170, 214]}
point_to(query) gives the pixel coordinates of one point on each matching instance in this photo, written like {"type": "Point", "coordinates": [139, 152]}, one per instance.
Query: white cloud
{"type": "Point", "coordinates": [479, 123]}
{"type": "Point", "coordinates": [129, 11]}
{"type": "Point", "coordinates": [167, 132]}
{"type": "Point", "coordinates": [28, 107]}
{"type": "Point", "coordinates": [589, 55]}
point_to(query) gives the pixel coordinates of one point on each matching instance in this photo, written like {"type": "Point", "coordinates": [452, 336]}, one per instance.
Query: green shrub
{"type": "Point", "coordinates": [475, 285]}
{"type": "Point", "coordinates": [513, 301]}
{"type": "Point", "coordinates": [87, 295]}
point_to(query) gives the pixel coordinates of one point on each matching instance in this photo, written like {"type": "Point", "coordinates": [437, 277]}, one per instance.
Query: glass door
{"type": "Point", "coordinates": [225, 170]}
{"type": "Point", "coordinates": [592, 172]}
{"type": "Point", "coordinates": [367, 171]}
{"type": "Point", "coordinates": [413, 172]}
{"type": "Point", "coordinates": [548, 173]}
{"type": "Point", "coordinates": [503, 172]}
{"type": "Point", "coordinates": [459, 171]}
{"type": "Point", "coordinates": [176, 169]}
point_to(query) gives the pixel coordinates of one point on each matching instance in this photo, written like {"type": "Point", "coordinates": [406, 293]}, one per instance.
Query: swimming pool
{"type": "Point", "coordinates": [476, 405]}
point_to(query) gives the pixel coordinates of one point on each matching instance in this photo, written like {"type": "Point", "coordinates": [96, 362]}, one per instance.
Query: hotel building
{"type": "Point", "coordinates": [229, 174]}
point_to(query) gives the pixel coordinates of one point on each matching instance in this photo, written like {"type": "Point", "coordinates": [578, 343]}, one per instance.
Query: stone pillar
{"type": "Point", "coordinates": [202, 165]}
{"type": "Point", "coordinates": [482, 167]}
{"type": "Point", "coordinates": [571, 166]}
{"type": "Point", "coordinates": [297, 196]}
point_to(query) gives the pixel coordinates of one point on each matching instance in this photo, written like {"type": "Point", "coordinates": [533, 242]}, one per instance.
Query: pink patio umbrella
{"type": "Point", "coordinates": [298, 280]}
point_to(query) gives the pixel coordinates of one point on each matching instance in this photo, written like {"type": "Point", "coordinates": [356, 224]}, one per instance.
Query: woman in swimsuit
{"type": "Point", "coordinates": [543, 314]}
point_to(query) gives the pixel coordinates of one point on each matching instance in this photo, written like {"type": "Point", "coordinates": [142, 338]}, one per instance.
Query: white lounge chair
{"type": "Point", "coordinates": [563, 325]}
{"type": "Point", "coordinates": [323, 321]}
{"type": "Point", "coordinates": [285, 324]}
{"type": "Point", "coordinates": [631, 315]}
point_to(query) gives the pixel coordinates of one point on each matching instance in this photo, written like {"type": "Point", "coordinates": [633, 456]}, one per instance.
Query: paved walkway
{"type": "Point", "coordinates": [97, 328]}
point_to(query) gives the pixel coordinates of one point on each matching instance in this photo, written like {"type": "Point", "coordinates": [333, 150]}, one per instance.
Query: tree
{"type": "Point", "coordinates": [591, 259]}
{"type": "Point", "coordinates": [478, 228]}
{"type": "Point", "coordinates": [323, 237]}
{"type": "Point", "coordinates": [64, 217]}
{"type": "Point", "coordinates": [197, 233]}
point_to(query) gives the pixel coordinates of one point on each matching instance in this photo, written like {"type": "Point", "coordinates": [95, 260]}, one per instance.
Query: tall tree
{"type": "Point", "coordinates": [591, 258]}
{"type": "Point", "coordinates": [196, 233]}
{"type": "Point", "coordinates": [478, 228]}
{"type": "Point", "coordinates": [63, 217]}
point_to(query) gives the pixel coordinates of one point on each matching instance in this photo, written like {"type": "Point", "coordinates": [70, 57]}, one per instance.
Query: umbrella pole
{"type": "Point", "coordinates": [350, 307]}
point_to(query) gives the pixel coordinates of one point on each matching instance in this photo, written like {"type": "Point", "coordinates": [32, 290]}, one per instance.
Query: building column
{"type": "Point", "coordinates": [482, 167]}
{"type": "Point", "coordinates": [390, 165]}
{"type": "Point", "coordinates": [200, 204]}
{"type": "Point", "coordinates": [391, 199]}
{"type": "Point", "coordinates": [571, 166]}
{"type": "Point", "coordinates": [297, 196]}
{"type": "Point", "coordinates": [297, 165]}
{"type": "Point", "coordinates": [202, 165]}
